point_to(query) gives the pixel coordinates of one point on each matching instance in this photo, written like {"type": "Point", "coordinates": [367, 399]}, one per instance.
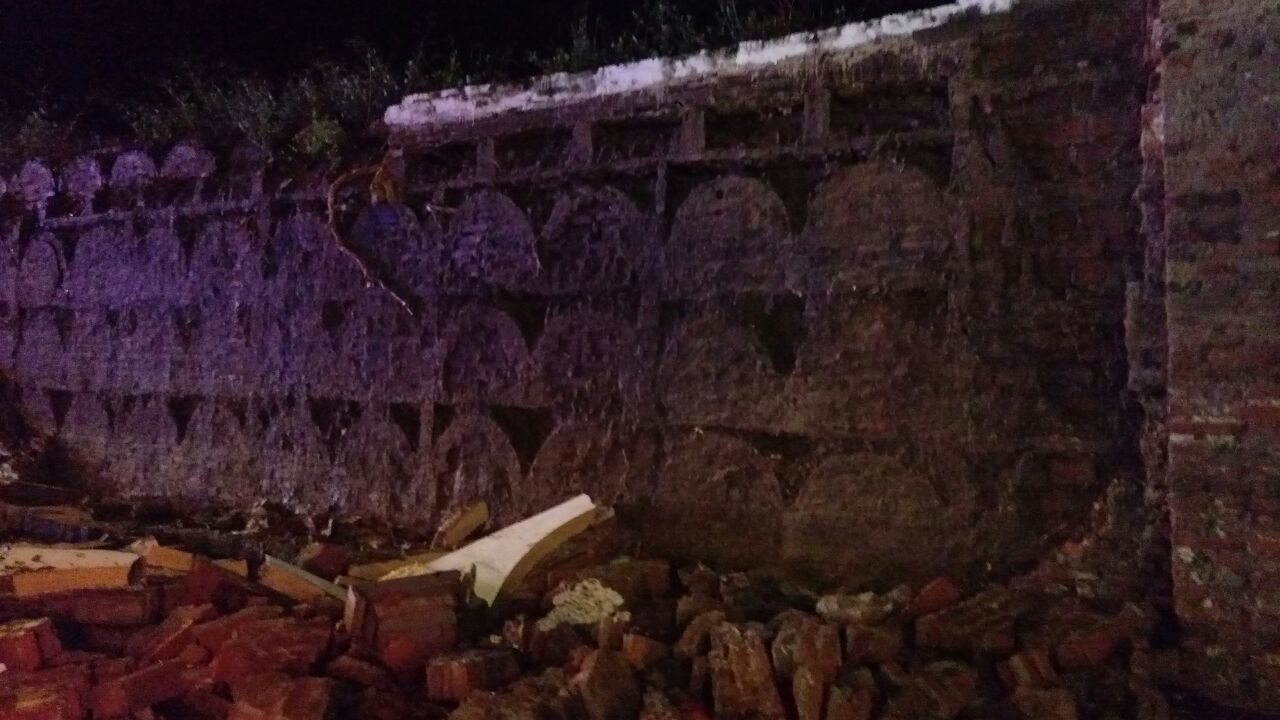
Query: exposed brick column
{"type": "Point", "coordinates": [1222, 182]}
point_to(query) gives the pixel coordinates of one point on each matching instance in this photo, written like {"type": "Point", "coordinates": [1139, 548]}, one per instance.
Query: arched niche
{"type": "Point", "coordinates": [490, 242]}
{"type": "Point", "coordinates": [867, 519]}
{"type": "Point", "coordinates": [585, 359]}
{"type": "Point", "coordinates": [714, 371]}
{"type": "Point", "coordinates": [710, 487]}
{"type": "Point", "coordinates": [730, 234]}
{"type": "Point", "coordinates": [607, 462]}
{"type": "Point", "coordinates": [486, 359]}
{"type": "Point", "coordinates": [473, 460]}
{"type": "Point", "coordinates": [878, 224]}
{"type": "Point", "coordinates": [590, 241]}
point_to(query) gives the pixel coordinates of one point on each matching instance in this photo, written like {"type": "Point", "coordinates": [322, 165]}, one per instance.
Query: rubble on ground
{"type": "Point", "coordinates": [170, 623]}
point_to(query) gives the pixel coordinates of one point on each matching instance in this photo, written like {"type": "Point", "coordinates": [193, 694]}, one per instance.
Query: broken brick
{"type": "Point", "coordinates": [868, 645]}
{"type": "Point", "coordinates": [273, 696]}
{"type": "Point", "coordinates": [27, 644]}
{"type": "Point", "coordinates": [982, 623]}
{"type": "Point", "coordinates": [853, 698]}
{"type": "Point", "coordinates": [806, 642]}
{"type": "Point", "coordinates": [357, 671]}
{"type": "Point", "coordinates": [1029, 668]}
{"type": "Point", "coordinates": [809, 690]}
{"type": "Point", "coordinates": [1034, 704]}
{"type": "Point", "coordinates": [140, 689]}
{"type": "Point", "coordinates": [284, 644]}
{"type": "Point", "coordinates": [325, 560]}
{"type": "Point", "coordinates": [214, 633]}
{"type": "Point", "coordinates": [696, 638]}
{"type": "Point", "coordinates": [939, 690]}
{"type": "Point", "coordinates": [742, 684]}
{"type": "Point", "coordinates": [209, 583]}
{"type": "Point", "coordinates": [195, 654]}
{"type": "Point", "coordinates": [643, 652]}
{"type": "Point", "coordinates": [937, 595]}
{"type": "Point", "coordinates": [455, 676]}
{"type": "Point", "coordinates": [608, 687]}
{"type": "Point", "coordinates": [173, 635]}
{"type": "Point", "coordinates": [1089, 648]}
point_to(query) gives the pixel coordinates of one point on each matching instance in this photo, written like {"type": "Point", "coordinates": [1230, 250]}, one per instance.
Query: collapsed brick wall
{"type": "Point", "coordinates": [1217, 138]}
{"type": "Point", "coordinates": [860, 315]}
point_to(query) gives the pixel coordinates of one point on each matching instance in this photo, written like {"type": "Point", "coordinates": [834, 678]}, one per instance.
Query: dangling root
{"type": "Point", "coordinates": [370, 276]}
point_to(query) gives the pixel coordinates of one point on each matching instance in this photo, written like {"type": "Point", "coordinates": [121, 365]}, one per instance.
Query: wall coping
{"type": "Point", "coordinates": [424, 111]}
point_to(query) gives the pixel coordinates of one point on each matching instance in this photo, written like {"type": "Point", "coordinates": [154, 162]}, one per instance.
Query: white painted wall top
{"type": "Point", "coordinates": [475, 102]}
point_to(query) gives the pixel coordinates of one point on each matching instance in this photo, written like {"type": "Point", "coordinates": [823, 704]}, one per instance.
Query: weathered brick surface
{"type": "Point", "coordinates": [1216, 142]}
{"type": "Point", "coordinates": [886, 285]}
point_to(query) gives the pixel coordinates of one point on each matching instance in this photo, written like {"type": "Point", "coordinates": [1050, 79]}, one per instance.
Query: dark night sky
{"type": "Point", "coordinates": [70, 46]}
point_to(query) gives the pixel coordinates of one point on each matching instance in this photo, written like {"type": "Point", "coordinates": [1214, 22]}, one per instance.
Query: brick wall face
{"type": "Point", "coordinates": [862, 316]}
{"type": "Point", "coordinates": [1221, 171]}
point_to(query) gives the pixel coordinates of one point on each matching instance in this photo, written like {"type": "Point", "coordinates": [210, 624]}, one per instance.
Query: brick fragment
{"type": "Point", "coordinates": [173, 635]}
{"type": "Point", "coordinates": [939, 690]}
{"type": "Point", "coordinates": [742, 684]}
{"type": "Point", "coordinates": [608, 687]}
{"type": "Point", "coordinates": [52, 694]}
{"type": "Point", "coordinates": [696, 638]}
{"type": "Point", "coordinates": [803, 641]}
{"type": "Point", "coordinates": [809, 690]}
{"type": "Point", "coordinates": [873, 645]}
{"type": "Point", "coordinates": [117, 607]}
{"type": "Point", "coordinates": [214, 633]}
{"type": "Point", "coordinates": [689, 607]}
{"type": "Point", "coordinates": [195, 654]}
{"type": "Point", "coordinates": [982, 623]}
{"type": "Point", "coordinates": [1030, 668]}
{"type": "Point", "coordinates": [140, 689]}
{"type": "Point", "coordinates": [324, 559]}
{"type": "Point", "coordinates": [937, 595]}
{"type": "Point", "coordinates": [285, 644]}
{"type": "Point", "coordinates": [354, 670]}
{"type": "Point", "coordinates": [1090, 648]}
{"type": "Point", "coordinates": [852, 698]}
{"type": "Point", "coordinates": [27, 644]}
{"type": "Point", "coordinates": [209, 583]}
{"type": "Point", "coordinates": [643, 652]}
{"type": "Point", "coordinates": [455, 676]}
{"type": "Point", "coordinates": [404, 622]}
{"type": "Point", "coordinates": [200, 704]}
{"type": "Point", "coordinates": [1034, 704]}
{"type": "Point", "coordinates": [273, 696]}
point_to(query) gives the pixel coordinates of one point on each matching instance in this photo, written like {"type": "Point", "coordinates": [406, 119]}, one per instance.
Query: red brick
{"type": "Point", "coordinates": [272, 696]}
{"type": "Point", "coordinates": [283, 644]}
{"type": "Point", "coordinates": [643, 652]}
{"type": "Point", "coordinates": [50, 694]}
{"type": "Point", "coordinates": [941, 690]}
{"type": "Point", "coordinates": [208, 583]}
{"type": "Point", "coordinates": [808, 690]}
{"type": "Point", "coordinates": [355, 670]}
{"type": "Point", "coordinates": [1088, 649]}
{"type": "Point", "coordinates": [854, 699]}
{"type": "Point", "coordinates": [1030, 668]}
{"type": "Point", "coordinates": [405, 622]}
{"type": "Point", "coordinates": [873, 645]}
{"type": "Point", "coordinates": [140, 689]}
{"type": "Point", "coordinates": [1035, 704]}
{"type": "Point", "coordinates": [324, 559]}
{"type": "Point", "coordinates": [936, 596]}
{"type": "Point", "coordinates": [983, 623]}
{"type": "Point", "coordinates": [455, 676]}
{"type": "Point", "coordinates": [804, 641]}
{"type": "Point", "coordinates": [173, 634]}
{"type": "Point", "coordinates": [608, 687]}
{"type": "Point", "coordinates": [742, 684]}
{"type": "Point", "coordinates": [27, 644]}
{"type": "Point", "coordinates": [195, 654]}
{"type": "Point", "coordinates": [115, 607]}
{"type": "Point", "coordinates": [214, 633]}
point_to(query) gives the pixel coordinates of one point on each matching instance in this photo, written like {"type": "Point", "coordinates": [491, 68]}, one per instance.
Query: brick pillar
{"type": "Point", "coordinates": [1221, 81]}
